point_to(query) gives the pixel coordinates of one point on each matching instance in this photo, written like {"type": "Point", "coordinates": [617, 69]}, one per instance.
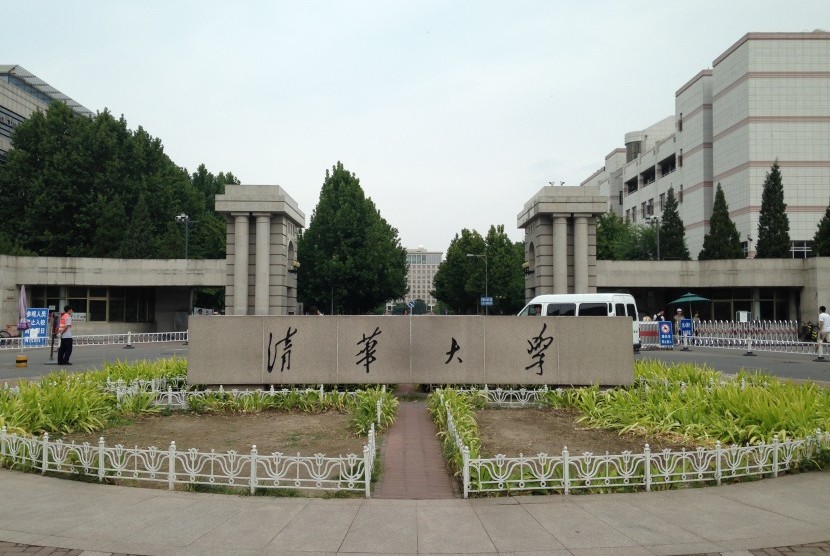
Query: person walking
{"type": "Point", "coordinates": [823, 329]}
{"type": "Point", "coordinates": [65, 331]}
{"type": "Point", "coordinates": [678, 316]}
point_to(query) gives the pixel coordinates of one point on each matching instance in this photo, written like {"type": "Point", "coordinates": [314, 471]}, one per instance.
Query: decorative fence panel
{"type": "Point", "coordinates": [127, 340]}
{"type": "Point", "coordinates": [191, 467]}
{"type": "Point", "coordinates": [628, 471]}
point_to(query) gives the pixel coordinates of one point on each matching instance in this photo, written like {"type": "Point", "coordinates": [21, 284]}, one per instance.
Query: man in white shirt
{"type": "Point", "coordinates": [823, 329]}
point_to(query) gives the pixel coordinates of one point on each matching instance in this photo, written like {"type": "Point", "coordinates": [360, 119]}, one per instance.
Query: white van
{"type": "Point", "coordinates": [586, 305]}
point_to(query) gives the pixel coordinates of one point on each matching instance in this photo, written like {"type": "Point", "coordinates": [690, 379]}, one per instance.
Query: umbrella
{"type": "Point", "coordinates": [688, 298]}
{"type": "Point", "coordinates": [22, 304]}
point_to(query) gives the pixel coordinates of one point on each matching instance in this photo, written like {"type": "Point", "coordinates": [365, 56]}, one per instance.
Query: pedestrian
{"type": "Point", "coordinates": [823, 329]}
{"type": "Point", "coordinates": [678, 316]}
{"type": "Point", "coordinates": [65, 331]}
{"type": "Point", "coordinates": [659, 315]}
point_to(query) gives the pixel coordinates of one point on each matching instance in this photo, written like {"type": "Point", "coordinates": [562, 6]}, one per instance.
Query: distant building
{"type": "Point", "coordinates": [423, 264]}
{"type": "Point", "coordinates": [766, 98]}
{"type": "Point", "coordinates": [21, 94]}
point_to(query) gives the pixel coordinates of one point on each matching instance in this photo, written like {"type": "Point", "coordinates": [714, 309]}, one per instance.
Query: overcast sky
{"type": "Point", "coordinates": [452, 114]}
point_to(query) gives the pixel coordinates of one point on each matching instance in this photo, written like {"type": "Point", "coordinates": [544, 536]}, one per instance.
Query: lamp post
{"type": "Point", "coordinates": [656, 220]}
{"type": "Point", "coordinates": [184, 219]}
{"type": "Point", "coordinates": [486, 278]}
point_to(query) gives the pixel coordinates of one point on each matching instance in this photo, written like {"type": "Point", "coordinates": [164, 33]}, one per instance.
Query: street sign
{"type": "Point", "coordinates": [686, 327]}
{"type": "Point", "coordinates": [35, 335]}
{"type": "Point", "coordinates": [411, 304]}
{"type": "Point", "coordinates": [665, 330]}
{"type": "Point", "coordinates": [486, 301]}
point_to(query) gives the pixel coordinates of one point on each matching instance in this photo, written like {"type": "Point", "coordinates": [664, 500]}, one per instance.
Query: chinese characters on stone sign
{"type": "Point", "coordinates": [369, 347]}
{"type": "Point", "coordinates": [285, 358]}
{"type": "Point", "coordinates": [454, 348]}
{"type": "Point", "coordinates": [538, 345]}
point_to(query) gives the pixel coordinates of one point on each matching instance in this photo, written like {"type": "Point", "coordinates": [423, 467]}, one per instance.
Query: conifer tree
{"type": "Point", "coordinates": [773, 223]}
{"type": "Point", "coordinates": [673, 232]}
{"type": "Point", "coordinates": [723, 240]}
{"type": "Point", "coordinates": [821, 241]}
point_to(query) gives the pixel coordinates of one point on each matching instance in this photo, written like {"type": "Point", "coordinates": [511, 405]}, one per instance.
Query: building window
{"type": "Point", "coordinates": [801, 249]}
{"type": "Point", "coordinates": [680, 159]}
{"type": "Point", "coordinates": [643, 212]}
{"type": "Point", "coordinates": [680, 122]}
{"type": "Point", "coordinates": [680, 194]}
{"type": "Point", "coordinates": [99, 304]}
{"type": "Point", "coordinates": [662, 201]}
{"type": "Point", "coordinates": [621, 197]}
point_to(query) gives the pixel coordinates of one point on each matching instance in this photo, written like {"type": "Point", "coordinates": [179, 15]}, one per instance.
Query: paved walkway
{"type": "Point", "coordinates": [102, 519]}
{"type": "Point", "coordinates": [413, 465]}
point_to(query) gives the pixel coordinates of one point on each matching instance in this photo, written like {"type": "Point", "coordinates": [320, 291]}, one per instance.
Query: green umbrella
{"type": "Point", "coordinates": [688, 298]}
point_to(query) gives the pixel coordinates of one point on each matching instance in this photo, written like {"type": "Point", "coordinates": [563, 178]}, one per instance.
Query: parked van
{"type": "Point", "coordinates": [586, 305]}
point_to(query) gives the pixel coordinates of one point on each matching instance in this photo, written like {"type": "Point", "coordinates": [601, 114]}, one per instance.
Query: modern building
{"type": "Point", "coordinates": [422, 267]}
{"type": "Point", "coordinates": [21, 95]}
{"type": "Point", "coordinates": [766, 98]}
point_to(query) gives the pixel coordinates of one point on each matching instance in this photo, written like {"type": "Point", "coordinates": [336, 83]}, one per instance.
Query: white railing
{"type": "Point", "coordinates": [776, 336]}
{"type": "Point", "coordinates": [126, 339]}
{"type": "Point", "coordinates": [190, 467]}
{"type": "Point", "coordinates": [628, 471]}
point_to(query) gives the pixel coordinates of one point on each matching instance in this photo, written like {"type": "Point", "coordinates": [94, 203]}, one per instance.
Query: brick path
{"type": "Point", "coordinates": [413, 465]}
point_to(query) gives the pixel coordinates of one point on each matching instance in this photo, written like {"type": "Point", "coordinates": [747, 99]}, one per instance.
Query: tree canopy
{"type": "Point", "coordinates": [723, 240]}
{"type": "Point", "coordinates": [773, 222]}
{"type": "Point", "coordinates": [350, 257]}
{"type": "Point", "coordinates": [672, 232]}
{"type": "Point", "coordinates": [90, 187]}
{"type": "Point", "coordinates": [462, 280]}
{"type": "Point", "coordinates": [821, 241]}
{"type": "Point", "coordinates": [620, 240]}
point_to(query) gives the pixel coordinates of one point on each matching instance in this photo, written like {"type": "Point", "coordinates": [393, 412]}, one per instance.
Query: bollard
{"type": "Point", "coordinates": [21, 361]}
{"type": "Point", "coordinates": [129, 341]}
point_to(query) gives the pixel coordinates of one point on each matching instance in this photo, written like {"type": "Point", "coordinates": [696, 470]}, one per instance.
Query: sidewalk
{"type": "Point", "coordinates": [50, 512]}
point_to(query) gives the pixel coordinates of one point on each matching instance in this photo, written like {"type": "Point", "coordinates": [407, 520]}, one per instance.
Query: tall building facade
{"type": "Point", "coordinates": [423, 265]}
{"type": "Point", "coordinates": [766, 98]}
{"type": "Point", "coordinates": [22, 94]}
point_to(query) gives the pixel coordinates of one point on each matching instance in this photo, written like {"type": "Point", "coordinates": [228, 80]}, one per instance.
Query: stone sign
{"type": "Point", "coordinates": [259, 350]}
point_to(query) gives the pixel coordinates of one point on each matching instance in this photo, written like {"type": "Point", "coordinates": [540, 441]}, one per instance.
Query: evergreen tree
{"type": "Point", "coordinates": [672, 232]}
{"type": "Point", "coordinates": [459, 282]}
{"type": "Point", "coordinates": [71, 186]}
{"type": "Point", "coordinates": [821, 241]}
{"type": "Point", "coordinates": [773, 223]}
{"type": "Point", "coordinates": [723, 240]}
{"type": "Point", "coordinates": [350, 257]}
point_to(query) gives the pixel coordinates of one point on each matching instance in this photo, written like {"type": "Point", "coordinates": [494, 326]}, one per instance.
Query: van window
{"type": "Point", "coordinates": [619, 309]}
{"type": "Point", "coordinates": [561, 309]}
{"type": "Point", "coordinates": [593, 309]}
{"type": "Point", "coordinates": [632, 311]}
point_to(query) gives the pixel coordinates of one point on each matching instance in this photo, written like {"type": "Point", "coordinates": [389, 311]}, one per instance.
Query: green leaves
{"type": "Point", "coordinates": [723, 240]}
{"type": "Point", "coordinates": [84, 187]}
{"type": "Point", "coordinates": [773, 222]}
{"type": "Point", "coordinates": [350, 257]}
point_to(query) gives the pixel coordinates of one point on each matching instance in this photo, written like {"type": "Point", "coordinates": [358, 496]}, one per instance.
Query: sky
{"type": "Point", "coordinates": [452, 114]}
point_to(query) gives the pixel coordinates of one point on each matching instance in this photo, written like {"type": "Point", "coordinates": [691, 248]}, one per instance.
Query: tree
{"type": "Point", "coordinates": [672, 232]}
{"type": "Point", "coordinates": [350, 256]}
{"type": "Point", "coordinates": [821, 241]}
{"type": "Point", "coordinates": [723, 240]}
{"type": "Point", "coordinates": [457, 284]}
{"type": "Point", "coordinates": [462, 280]}
{"type": "Point", "coordinates": [773, 223]}
{"type": "Point", "coordinates": [619, 240]}
{"type": "Point", "coordinates": [73, 186]}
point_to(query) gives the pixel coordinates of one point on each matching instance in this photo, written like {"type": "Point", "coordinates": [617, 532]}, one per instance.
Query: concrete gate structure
{"type": "Point", "coordinates": [560, 225]}
{"type": "Point", "coordinates": [263, 220]}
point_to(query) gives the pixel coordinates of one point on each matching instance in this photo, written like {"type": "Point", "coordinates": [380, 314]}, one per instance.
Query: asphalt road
{"type": "Point", "coordinates": [790, 366]}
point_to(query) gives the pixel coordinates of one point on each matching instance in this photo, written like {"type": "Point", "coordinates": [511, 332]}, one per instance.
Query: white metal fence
{"type": "Point", "coordinates": [172, 467]}
{"type": "Point", "coordinates": [628, 471]}
{"type": "Point", "coordinates": [778, 336]}
{"type": "Point", "coordinates": [127, 339]}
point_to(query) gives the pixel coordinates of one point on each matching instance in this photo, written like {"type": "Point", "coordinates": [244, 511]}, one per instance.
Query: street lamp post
{"type": "Point", "coordinates": [486, 278]}
{"type": "Point", "coordinates": [656, 220]}
{"type": "Point", "coordinates": [184, 219]}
